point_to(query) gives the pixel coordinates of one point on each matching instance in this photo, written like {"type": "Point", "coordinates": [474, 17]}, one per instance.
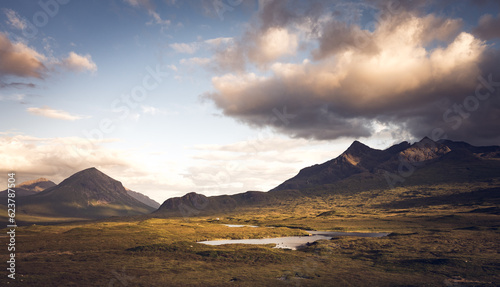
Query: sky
{"type": "Point", "coordinates": [224, 96]}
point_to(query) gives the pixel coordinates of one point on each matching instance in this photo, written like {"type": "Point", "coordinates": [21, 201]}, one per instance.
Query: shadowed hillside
{"type": "Point", "coordinates": [87, 194]}
{"type": "Point", "coordinates": [359, 169]}
{"type": "Point", "coordinates": [30, 187]}
{"type": "Point", "coordinates": [143, 198]}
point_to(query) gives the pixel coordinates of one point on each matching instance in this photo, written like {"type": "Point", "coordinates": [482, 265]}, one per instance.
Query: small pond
{"type": "Point", "coordinates": [293, 242]}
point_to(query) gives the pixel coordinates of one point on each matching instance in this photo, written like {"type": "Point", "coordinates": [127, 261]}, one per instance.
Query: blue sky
{"type": "Point", "coordinates": [226, 96]}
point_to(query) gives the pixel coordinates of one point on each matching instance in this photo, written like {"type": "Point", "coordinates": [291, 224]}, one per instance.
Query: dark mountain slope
{"type": "Point", "coordinates": [143, 198]}
{"type": "Point", "coordinates": [482, 151]}
{"type": "Point", "coordinates": [30, 187]}
{"type": "Point", "coordinates": [86, 194]}
{"type": "Point", "coordinates": [358, 158]}
{"type": "Point", "coordinates": [193, 204]}
{"type": "Point", "coordinates": [360, 168]}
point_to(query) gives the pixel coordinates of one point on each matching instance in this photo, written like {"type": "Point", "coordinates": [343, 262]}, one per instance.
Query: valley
{"type": "Point", "coordinates": [443, 229]}
{"type": "Point", "coordinates": [438, 245]}
{"type": "Point", "coordinates": [252, 143]}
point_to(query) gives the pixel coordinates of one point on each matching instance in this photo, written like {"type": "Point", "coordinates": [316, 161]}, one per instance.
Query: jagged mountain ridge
{"type": "Point", "coordinates": [359, 159]}
{"type": "Point", "coordinates": [359, 168]}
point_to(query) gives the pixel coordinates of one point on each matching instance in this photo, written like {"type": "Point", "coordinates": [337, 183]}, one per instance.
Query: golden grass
{"type": "Point", "coordinates": [435, 245]}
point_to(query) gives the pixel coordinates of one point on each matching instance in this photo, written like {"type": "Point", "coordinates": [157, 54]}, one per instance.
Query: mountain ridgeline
{"type": "Point", "coordinates": [360, 168]}
{"type": "Point", "coordinates": [88, 194]}
{"type": "Point", "coordinates": [143, 198]}
{"type": "Point", "coordinates": [30, 187]}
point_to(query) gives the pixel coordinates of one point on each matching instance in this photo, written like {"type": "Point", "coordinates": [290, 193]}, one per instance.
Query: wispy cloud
{"type": "Point", "coordinates": [187, 48]}
{"type": "Point", "coordinates": [48, 112]}
{"type": "Point", "coordinates": [15, 98]}
{"type": "Point", "coordinates": [150, 110]}
{"type": "Point", "coordinates": [149, 6]}
{"type": "Point", "coordinates": [215, 42]}
{"type": "Point", "coordinates": [193, 47]}
{"type": "Point", "coordinates": [164, 23]}
{"type": "Point", "coordinates": [196, 61]}
{"type": "Point", "coordinates": [17, 85]}
{"type": "Point", "coordinates": [254, 164]}
{"type": "Point", "coordinates": [32, 157]}
{"type": "Point", "coordinates": [79, 63]}
{"type": "Point", "coordinates": [57, 158]}
{"type": "Point", "coordinates": [14, 20]}
{"type": "Point", "coordinates": [140, 3]}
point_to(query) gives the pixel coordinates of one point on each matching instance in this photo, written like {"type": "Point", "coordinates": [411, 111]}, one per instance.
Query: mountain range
{"type": "Point", "coordinates": [360, 168]}
{"type": "Point", "coordinates": [90, 194]}
{"type": "Point", "coordinates": [397, 161]}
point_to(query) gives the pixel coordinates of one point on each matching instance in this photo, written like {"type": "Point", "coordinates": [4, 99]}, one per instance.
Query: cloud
{"type": "Point", "coordinates": [259, 163]}
{"type": "Point", "coordinates": [79, 63]}
{"type": "Point", "coordinates": [231, 58]}
{"type": "Point", "coordinates": [17, 85]}
{"type": "Point", "coordinates": [196, 61]}
{"type": "Point", "coordinates": [17, 59]}
{"type": "Point", "coordinates": [193, 47]}
{"type": "Point", "coordinates": [149, 6]}
{"type": "Point", "coordinates": [277, 32]}
{"type": "Point", "coordinates": [338, 36]}
{"type": "Point", "coordinates": [56, 158]}
{"type": "Point", "coordinates": [488, 27]}
{"type": "Point", "coordinates": [140, 3]}
{"type": "Point", "coordinates": [14, 20]}
{"type": "Point", "coordinates": [13, 98]}
{"type": "Point", "coordinates": [406, 71]}
{"type": "Point", "coordinates": [158, 20]}
{"type": "Point", "coordinates": [276, 42]}
{"type": "Point", "coordinates": [53, 114]}
{"type": "Point", "coordinates": [150, 110]}
{"type": "Point", "coordinates": [217, 42]}
{"type": "Point", "coordinates": [190, 48]}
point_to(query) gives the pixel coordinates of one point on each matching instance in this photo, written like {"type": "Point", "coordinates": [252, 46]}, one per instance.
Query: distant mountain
{"type": "Point", "coordinates": [193, 204]}
{"type": "Point", "coordinates": [358, 158]}
{"type": "Point", "coordinates": [371, 166]}
{"type": "Point", "coordinates": [30, 187]}
{"type": "Point", "coordinates": [87, 194]}
{"type": "Point", "coordinates": [143, 198]}
{"type": "Point", "coordinates": [482, 152]}
{"type": "Point", "coordinates": [360, 168]}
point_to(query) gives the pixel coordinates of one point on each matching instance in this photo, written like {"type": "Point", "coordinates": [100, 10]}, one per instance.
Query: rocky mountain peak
{"type": "Point", "coordinates": [425, 149]}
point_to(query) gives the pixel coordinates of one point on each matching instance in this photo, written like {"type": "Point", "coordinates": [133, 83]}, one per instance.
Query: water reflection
{"type": "Point", "coordinates": [293, 242]}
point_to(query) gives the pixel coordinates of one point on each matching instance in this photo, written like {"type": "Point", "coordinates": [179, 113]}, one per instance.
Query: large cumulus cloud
{"type": "Point", "coordinates": [417, 71]}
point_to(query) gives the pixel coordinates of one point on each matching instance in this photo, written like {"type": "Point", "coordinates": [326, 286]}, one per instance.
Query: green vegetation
{"type": "Point", "coordinates": [442, 235]}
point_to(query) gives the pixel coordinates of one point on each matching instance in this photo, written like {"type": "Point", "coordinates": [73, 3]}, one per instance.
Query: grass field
{"type": "Point", "coordinates": [441, 235]}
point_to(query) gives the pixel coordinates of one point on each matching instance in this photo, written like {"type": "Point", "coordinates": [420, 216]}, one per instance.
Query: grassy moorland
{"type": "Point", "coordinates": [442, 235]}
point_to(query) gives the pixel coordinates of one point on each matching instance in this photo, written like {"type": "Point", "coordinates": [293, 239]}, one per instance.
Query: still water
{"type": "Point", "coordinates": [293, 242]}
